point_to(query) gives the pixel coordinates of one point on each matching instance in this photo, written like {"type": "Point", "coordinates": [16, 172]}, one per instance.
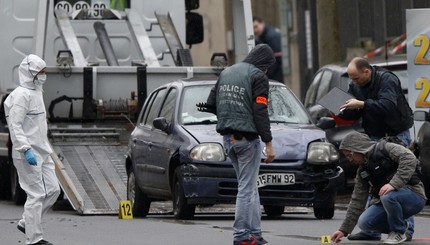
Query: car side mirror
{"type": "Point", "coordinates": [421, 116]}
{"type": "Point", "coordinates": [326, 123]}
{"type": "Point", "coordinates": [161, 124]}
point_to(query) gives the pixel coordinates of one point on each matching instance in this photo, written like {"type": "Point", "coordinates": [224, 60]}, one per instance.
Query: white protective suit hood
{"type": "Point", "coordinates": [30, 66]}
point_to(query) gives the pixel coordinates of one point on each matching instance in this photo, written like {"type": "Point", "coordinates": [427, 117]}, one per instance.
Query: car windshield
{"type": "Point", "coordinates": [283, 106]}
{"type": "Point", "coordinates": [189, 113]}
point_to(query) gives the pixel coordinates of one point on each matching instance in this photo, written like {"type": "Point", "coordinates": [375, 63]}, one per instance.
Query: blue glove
{"type": "Point", "coordinates": [31, 159]}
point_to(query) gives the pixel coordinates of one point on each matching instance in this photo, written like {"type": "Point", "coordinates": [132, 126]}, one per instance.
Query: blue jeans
{"type": "Point", "coordinates": [246, 157]}
{"type": "Point", "coordinates": [404, 136]}
{"type": "Point", "coordinates": [391, 214]}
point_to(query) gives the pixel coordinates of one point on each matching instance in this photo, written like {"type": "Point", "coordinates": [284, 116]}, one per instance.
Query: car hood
{"type": "Point", "coordinates": [290, 141]}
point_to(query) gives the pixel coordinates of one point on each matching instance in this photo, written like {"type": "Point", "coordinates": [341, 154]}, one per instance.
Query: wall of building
{"type": "Point", "coordinates": [215, 36]}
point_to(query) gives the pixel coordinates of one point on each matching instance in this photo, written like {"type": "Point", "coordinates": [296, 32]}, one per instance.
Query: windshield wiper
{"type": "Point", "coordinates": [202, 122]}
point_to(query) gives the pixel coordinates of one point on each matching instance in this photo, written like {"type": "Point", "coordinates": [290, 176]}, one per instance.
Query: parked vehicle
{"type": "Point", "coordinates": [334, 75]}
{"type": "Point", "coordinates": [423, 145]}
{"type": "Point", "coordinates": [176, 154]}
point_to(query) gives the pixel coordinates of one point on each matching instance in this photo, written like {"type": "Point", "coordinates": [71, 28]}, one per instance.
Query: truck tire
{"type": "Point", "coordinates": [140, 202]}
{"type": "Point", "coordinates": [18, 195]}
{"type": "Point", "coordinates": [181, 209]}
{"type": "Point", "coordinates": [273, 211]}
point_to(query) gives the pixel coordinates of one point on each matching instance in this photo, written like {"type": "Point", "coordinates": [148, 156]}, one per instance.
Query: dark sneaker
{"type": "Point", "coordinates": [250, 241]}
{"type": "Point", "coordinates": [42, 242]}
{"type": "Point", "coordinates": [363, 236]}
{"type": "Point", "coordinates": [21, 228]}
{"type": "Point", "coordinates": [261, 241]}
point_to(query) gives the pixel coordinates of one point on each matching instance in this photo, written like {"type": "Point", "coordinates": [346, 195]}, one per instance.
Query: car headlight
{"type": "Point", "coordinates": [212, 152]}
{"type": "Point", "coordinates": [321, 153]}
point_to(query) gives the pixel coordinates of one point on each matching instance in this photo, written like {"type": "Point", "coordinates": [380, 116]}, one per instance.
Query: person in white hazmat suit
{"type": "Point", "coordinates": [26, 118]}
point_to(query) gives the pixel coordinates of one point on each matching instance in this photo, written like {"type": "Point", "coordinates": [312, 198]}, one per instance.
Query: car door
{"type": "Point", "coordinates": [142, 140]}
{"type": "Point", "coordinates": [163, 144]}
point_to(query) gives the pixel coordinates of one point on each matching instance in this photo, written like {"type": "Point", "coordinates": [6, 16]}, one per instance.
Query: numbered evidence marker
{"type": "Point", "coordinates": [125, 211]}
{"type": "Point", "coordinates": [325, 239]}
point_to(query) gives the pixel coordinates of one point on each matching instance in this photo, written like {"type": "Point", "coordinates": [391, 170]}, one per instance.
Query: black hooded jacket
{"type": "Point", "coordinates": [386, 110]}
{"type": "Point", "coordinates": [261, 57]}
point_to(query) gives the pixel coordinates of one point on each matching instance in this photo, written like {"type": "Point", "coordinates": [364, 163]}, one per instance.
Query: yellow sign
{"type": "Point", "coordinates": [326, 240]}
{"type": "Point", "coordinates": [125, 211]}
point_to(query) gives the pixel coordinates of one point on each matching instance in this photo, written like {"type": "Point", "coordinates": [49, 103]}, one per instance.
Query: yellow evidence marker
{"type": "Point", "coordinates": [125, 210]}
{"type": "Point", "coordinates": [326, 239]}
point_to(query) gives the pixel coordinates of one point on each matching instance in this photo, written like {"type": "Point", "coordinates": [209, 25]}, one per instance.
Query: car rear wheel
{"type": "Point", "coordinates": [181, 209]}
{"type": "Point", "coordinates": [273, 211]}
{"type": "Point", "coordinates": [139, 200]}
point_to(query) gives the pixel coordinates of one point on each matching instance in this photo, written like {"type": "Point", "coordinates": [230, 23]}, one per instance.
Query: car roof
{"type": "Point", "coordinates": [389, 61]}
{"type": "Point", "coordinates": [203, 80]}
{"type": "Point", "coordinates": [394, 62]}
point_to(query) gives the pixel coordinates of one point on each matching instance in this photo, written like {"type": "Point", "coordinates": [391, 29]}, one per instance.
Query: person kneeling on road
{"type": "Point", "coordinates": [389, 172]}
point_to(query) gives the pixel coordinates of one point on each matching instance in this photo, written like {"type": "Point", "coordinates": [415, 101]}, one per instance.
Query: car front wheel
{"type": "Point", "coordinates": [324, 209]}
{"type": "Point", "coordinates": [181, 209]}
{"type": "Point", "coordinates": [139, 200]}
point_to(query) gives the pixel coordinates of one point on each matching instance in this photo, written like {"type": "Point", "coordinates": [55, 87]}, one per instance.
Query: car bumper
{"type": "Point", "coordinates": [205, 184]}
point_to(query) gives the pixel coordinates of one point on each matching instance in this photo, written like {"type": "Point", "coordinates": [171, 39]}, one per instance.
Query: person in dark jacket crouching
{"type": "Point", "coordinates": [389, 172]}
{"type": "Point", "coordinates": [239, 99]}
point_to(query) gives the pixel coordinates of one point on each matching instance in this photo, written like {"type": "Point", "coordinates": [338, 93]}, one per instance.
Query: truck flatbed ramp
{"type": "Point", "coordinates": [92, 174]}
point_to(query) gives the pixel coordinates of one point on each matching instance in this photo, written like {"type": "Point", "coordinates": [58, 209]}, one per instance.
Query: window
{"type": "Point", "coordinates": [148, 103]}
{"type": "Point", "coordinates": [155, 107]}
{"type": "Point", "coordinates": [324, 84]}
{"type": "Point", "coordinates": [284, 107]}
{"type": "Point", "coordinates": [169, 106]}
{"type": "Point", "coordinates": [189, 113]}
{"type": "Point", "coordinates": [312, 90]}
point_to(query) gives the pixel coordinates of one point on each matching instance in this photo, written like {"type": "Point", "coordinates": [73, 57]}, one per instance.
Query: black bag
{"type": "Point", "coordinates": [381, 168]}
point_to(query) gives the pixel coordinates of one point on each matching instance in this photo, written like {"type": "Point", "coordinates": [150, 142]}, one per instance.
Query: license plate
{"type": "Point", "coordinates": [275, 179]}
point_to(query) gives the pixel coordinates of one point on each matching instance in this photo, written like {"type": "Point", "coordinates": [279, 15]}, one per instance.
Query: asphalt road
{"type": "Point", "coordinates": [210, 227]}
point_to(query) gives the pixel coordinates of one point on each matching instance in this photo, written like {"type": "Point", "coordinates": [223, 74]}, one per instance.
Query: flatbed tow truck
{"type": "Point", "coordinates": [92, 105]}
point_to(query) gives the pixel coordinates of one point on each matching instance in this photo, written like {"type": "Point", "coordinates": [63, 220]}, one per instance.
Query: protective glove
{"type": "Point", "coordinates": [31, 159]}
{"type": "Point", "coordinates": [204, 107]}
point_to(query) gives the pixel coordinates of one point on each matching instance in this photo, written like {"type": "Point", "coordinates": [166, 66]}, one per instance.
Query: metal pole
{"type": "Point", "coordinates": [244, 39]}
{"type": "Point", "coordinates": [105, 43]}
{"type": "Point", "coordinates": [141, 87]}
{"type": "Point", "coordinates": [40, 28]}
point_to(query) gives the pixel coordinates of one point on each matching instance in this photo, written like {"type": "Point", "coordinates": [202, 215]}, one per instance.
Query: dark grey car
{"type": "Point", "coordinates": [176, 154]}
